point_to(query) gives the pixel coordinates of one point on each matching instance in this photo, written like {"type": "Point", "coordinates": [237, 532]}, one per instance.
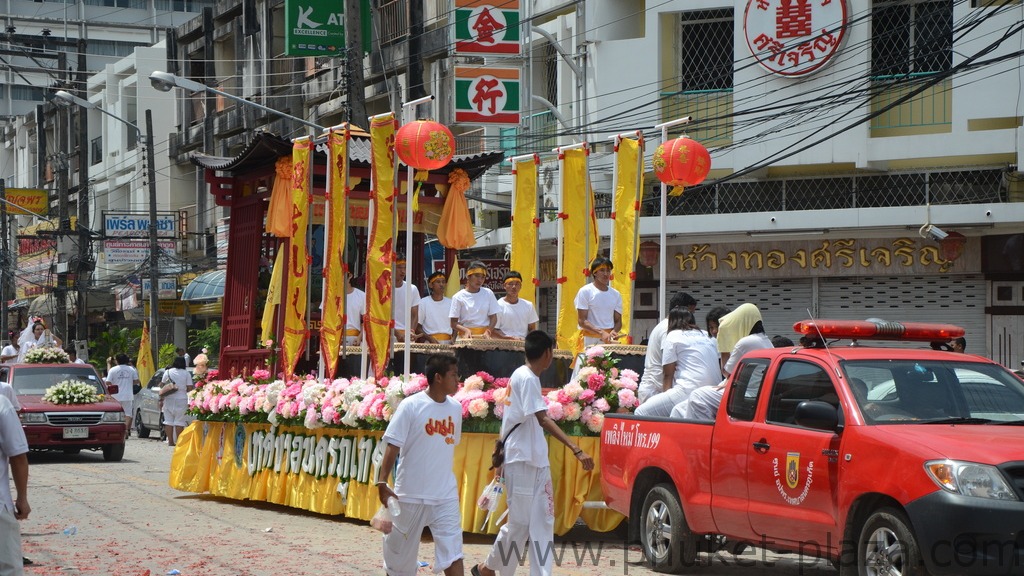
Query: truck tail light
{"type": "Point", "coordinates": [864, 329]}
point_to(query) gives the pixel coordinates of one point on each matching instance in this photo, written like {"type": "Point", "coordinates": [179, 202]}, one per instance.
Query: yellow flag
{"type": "Point", "coordinates": [629, 191]}
{"type": "Point", "coordinates": [332, 327]}
{"type": "Point", "coordinates": [578, 244]}
{"type": "Point", "coordinates": [524, 226]}
{"type": "Point", "coordinates": [273, 298]}
{"type": "Point", "coordinates": [144, 363]}
{"type": "Point", "coordinates": [295, 333]}
{"type": "Point", "coordinates": [380, 252]}
{"type": "Point", "coordinates": [454, 282]}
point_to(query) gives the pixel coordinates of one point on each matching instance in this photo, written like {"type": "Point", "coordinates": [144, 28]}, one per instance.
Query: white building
{"type": "Point", "coordinates": [820, 182]}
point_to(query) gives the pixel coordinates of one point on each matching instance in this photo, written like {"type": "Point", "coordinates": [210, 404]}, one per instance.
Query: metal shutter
{"type": "Point", "coordinates": [958, 300]}
{"type": "Point", "coordinates": [781, 302]}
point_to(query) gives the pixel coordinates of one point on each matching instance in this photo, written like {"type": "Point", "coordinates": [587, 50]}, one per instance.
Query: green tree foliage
{"type": "Point", "coordinates": [208, 338]}
{"type": "Point", "coordinates": [113, 342]}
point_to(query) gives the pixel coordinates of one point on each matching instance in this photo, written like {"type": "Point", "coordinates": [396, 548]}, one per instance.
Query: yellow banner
{"type": "Point", "coordinates": [330, 471]}
{"type": "Point", "coordinates": [333, 329]}
{"type": "Point", "coordinates": [579, 243]}
{"type": "Point", "coordinates": [524, 226]}
{"type": "Point", "coordinates": [295, 333]}
{"type": "Point", "coordinates": [629, 192]}
{"type": "Point", "coordinates": [380, 252]}
{"type": "Point", "coordinates": [273, 298]}
{"type": "Point", "coordinates": [144, 363]}
{"type": "Point", "coordinates": [27, 201]}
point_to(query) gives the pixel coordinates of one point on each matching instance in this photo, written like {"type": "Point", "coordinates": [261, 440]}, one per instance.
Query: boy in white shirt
{"type": "Point", "coordinates": [13, 457]}
{"type": "Point", "coordinates": [434, 325]}
{"type": "Point", "coordinates": [474, 312]}
{"type": "Point", "coordinates": [516, 316]}
{"type": "Point", "coordinates": [527, 472]}
{"type": "Point", "coordinates": [424, 431]}
{"type": "Point", "coordinates": [599, 306]}
{"type": "Point", "coordinates": [355, 309]}
{"type": "Point", "coordinates": [406, 295]}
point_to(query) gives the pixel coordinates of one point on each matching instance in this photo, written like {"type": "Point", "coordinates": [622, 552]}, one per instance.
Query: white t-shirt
{"type": "Point", "coordinates": [426, 432]}
{"type": "Point", "coordinates": [515, 319]}
{"type": "Point", "coordinates": [696, 358]}
{"type": "Point", "coordinates": [600, 305]}
{"type": "Point", "coordinates": [433, 315]}
{"type": "Point", "coordinates": [652, 381]}
{"type": "Point", "coordinates": [405, 295]}
{"type": "Point", "coordinates": [7, 391]}
{"type": "Point", "coordinates": [182, 379]}
{"type": "Point", "coordinates": [473, 309]}
{"type": "Point", "coordinates": [12, 443]}
{"type": "Point", "coordinates": [10, 350]}
{"type": "Point", "coordinates": [355, 308]}
{"type": "Point", "coordinates": [526, 443]}
{"type": "Point", "coordinates": [746, 344]}
{"type": "Point", "coordinates": [123, 376]}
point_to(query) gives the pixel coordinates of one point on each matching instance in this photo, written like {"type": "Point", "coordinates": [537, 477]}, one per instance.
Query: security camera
{"type": "Point", "coordinates": [933, 232]}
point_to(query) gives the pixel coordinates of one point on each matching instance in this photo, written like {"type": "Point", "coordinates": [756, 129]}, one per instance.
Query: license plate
{"type": "Point", "coordinates": [76, 432]}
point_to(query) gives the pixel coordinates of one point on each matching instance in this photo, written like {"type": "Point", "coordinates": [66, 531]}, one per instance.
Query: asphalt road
{"type": "Point", "coordinates": [90, 517]}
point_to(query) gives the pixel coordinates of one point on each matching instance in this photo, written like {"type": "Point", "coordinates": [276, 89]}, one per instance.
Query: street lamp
{"type": "Point", "coordinates": [165, 82]}
{"type": "Point", "coordinates": [64, 98]}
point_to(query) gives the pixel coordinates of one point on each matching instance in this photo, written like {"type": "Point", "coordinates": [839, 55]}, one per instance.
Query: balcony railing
{"type": "Point", "coordinates": [394, 21]}
{"type": "Point", "coordinates": [711, 109]}
{"type": "Point", "coordinates": [539, 133]}
{"type": "Point", "coordinates": [929, 112]}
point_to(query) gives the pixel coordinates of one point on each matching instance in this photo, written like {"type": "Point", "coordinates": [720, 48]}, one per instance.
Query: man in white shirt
{"type": "Point", "coordinates": [9, 353]}
{"type": "Point", "coordinates": [527, 472]}
{"type": "Point", "coordinates": [13, 457]}
{"type": "Point", "coordinates": [516, 316]}
{"type": "Point", "coordinates": [125, 378]}
{"type": "Point", "coordinates": [424, 431]}
{"type": "Point", "coordinates": [73, 355]}
{"type": "Point", "coordinates": [652, 382]}
{"type": "Point", "coordinates": [406, 295]}
{"type": "Point", "coordinates": [599, 306]}
{"type": "Point", "coordinates": [434, 325]}
{"type": "Point", "coordinates": [355, 309]}
{"type": "Point", "coordinates": [474, 311]}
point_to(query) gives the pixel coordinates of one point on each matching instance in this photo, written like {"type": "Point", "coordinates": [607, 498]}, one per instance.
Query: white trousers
{"type": "Point", "coordinates": [531, 515]}
{"type": "Point", "coordinates": [703, 404]}
{"type": "Point", "coordinates": [10, 544]}
{"type": "Point", "coordinates": [402, 545]}
{"type": "Point", "coordinates": [662, 403]}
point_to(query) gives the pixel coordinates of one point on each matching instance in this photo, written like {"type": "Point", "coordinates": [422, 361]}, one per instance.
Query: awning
{"type": "Point", "coordinates": [46, 305]}
{"type": "Point", "coordinates": [208, 286]}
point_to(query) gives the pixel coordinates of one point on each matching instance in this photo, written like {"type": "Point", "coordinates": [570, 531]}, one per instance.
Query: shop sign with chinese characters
{"type": "Point", "coordinates": [487, 27]}
{"type": "Point", "coordinates": [839, 257]}
{"type": "Point", "coordinates": [794, 37]}
{"type": "Point", "coordinates": [489, 96]}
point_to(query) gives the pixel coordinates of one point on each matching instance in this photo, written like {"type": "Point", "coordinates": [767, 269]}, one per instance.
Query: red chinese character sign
{"type": "Point", "coordinates": [489, 96]}
{"type": "Point", "coordinates": [487, 27]}
{"type": "Point", "coordinates": [794, 37]}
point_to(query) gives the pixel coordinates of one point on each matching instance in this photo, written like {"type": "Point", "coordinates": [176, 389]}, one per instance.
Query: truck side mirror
{"type": "Point", "coordinates": [817, 415]}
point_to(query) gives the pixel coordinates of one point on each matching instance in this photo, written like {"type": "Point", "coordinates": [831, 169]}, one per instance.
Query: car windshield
{"type": "Point", "coordinates": [35, 380]}
{"type": "Point", "coordinates": [933, 391]}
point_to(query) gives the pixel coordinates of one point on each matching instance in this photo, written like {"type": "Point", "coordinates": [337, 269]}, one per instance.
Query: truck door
{"type": "Point", "coordinates": [793, 471]}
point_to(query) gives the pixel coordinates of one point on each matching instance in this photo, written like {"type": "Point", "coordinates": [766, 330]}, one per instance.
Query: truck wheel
{"type": "Point", "coordinates": [887, 546]}
{"type": "Point", "coordinates": [668, 544]}
{"type": "Point", "coordinates": [113, 452]}
{"type": "Point", "coordinates": [140, 428]}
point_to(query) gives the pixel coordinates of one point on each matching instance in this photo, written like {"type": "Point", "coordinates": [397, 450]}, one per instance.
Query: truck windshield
{"type": "Point", "coordinates": [35, 380]}
{"type": "Point", "coordinates": [922, 391]}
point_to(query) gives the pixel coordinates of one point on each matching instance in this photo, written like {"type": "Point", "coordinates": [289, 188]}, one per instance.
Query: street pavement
{"type": "Point", "coordinates": [95, 518]}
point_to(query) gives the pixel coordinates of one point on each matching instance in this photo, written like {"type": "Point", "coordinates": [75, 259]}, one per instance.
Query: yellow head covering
{"type": "Point", "coordinates": [736, 325]}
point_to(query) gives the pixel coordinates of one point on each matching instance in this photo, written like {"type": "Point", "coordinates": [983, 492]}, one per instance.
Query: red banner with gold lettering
{"type": "Point", "coordinates": [380, 253]}
{"type": "Point", "coordinates": [295, 331]}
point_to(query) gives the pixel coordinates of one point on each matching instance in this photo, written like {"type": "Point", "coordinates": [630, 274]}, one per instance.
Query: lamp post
{"type": "Point", "coordinates": [165, 82]}
{"type": "Point", "coordinates": [65, 98]}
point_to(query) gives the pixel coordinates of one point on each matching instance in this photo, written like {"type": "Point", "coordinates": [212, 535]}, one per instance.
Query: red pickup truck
{"type": "Point", "coordinates": [881, 460]}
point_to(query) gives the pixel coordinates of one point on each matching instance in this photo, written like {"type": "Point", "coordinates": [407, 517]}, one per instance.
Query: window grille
{"type": "Point", "coordinates": [706, 50]}
{"type": "Point", "coordinates": [393, 19]}
{"type": "Point", "coordinates": [911, 37]}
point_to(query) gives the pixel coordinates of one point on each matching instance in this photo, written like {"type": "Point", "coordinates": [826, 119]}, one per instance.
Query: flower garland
{"type": "Point", "coordinates": [578, 407]}
{"type": "Point", "coordinates": [72, 392]}
{"type": "Point", "coordinates": [47, 355]}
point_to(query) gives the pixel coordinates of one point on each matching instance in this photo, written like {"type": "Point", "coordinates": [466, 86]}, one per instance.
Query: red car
{"type": "Point", "coordinates": [66, 427]}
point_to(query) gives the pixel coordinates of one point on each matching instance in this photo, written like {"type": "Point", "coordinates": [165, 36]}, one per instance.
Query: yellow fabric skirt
{"type": "Point", "coordinates": [331, 471]}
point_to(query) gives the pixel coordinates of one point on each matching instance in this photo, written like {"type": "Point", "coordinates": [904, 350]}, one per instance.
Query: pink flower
{"type": "Point", "coordinates": [594, 352]}
{"type": "Point", "coordinates": [602, 405]}
{"type": "Point", "coordinates": [572, 411]}
{"type": "Point", "coordinates": [501, 382]}
{"type": "Point", "coordinates": [563, 397]}
{"type": "Point", "coordinates": [614, 372]}
{"type": "Point", "coordinates": [487, 378]}
{"type": "Point", "coordinates": [595, 423]}
{"type": "Point", "coordinates": [478, 408]}
{"type": "Point", "coordinates": [500, 397]}
{"type": "Point", "coordinates": [595, 381]}
{"type": "Point", "coordinates": [587, 396]}
{"type": "Point", "coordinates": [630, 374]}
{"type": "Point", "coordinates": [555, 411]}
{"type": "Point", "coordinates": [415, 384]}
{"type": "Point", "coordinates": [474, 382]}
{"type": "Point", "coordinates": [627, 398]}
{"type": "Point", "coordinates": [573, 390]}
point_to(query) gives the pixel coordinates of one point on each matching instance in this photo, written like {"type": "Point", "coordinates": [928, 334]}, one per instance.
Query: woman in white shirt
{"type": "Point", "coordinates": [176, 403]}
{"type": "Point", "coordinates": [35, 335]}
{"type": "Point", "coordinates": [689, 360]}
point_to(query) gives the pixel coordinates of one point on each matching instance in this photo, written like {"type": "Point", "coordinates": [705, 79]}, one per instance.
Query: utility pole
{"type": "Point", "coordinates": [415, 69]}
{"type": "Point", "coordinates": [84, 267]}
{"type": "Point", "coordinates": [5, 254]}
{"type": "Point", "coordinates": [154, 246]}
{"type": "Point", "coordinates": [63, 135]}
{"type": "Point", "coordinates": [356, 86]}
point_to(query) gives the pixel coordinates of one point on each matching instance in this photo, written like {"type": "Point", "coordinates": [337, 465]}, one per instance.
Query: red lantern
{"type": "Point", "coordinates": [682, 162]}
{"type": "Point", "coordinates": [425, 145]}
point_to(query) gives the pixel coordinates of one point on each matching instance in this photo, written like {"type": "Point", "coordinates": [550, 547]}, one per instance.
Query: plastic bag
{"type": "Point", "coordinates": [491, 495]}
{"type": "Point", "coordinates": [382, 521]}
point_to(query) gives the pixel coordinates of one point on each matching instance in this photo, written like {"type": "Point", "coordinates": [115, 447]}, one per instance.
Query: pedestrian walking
{"type": "Point", "coordinates": [13, 465]}
{"type": "Point", "coordinates": [527, 472]}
